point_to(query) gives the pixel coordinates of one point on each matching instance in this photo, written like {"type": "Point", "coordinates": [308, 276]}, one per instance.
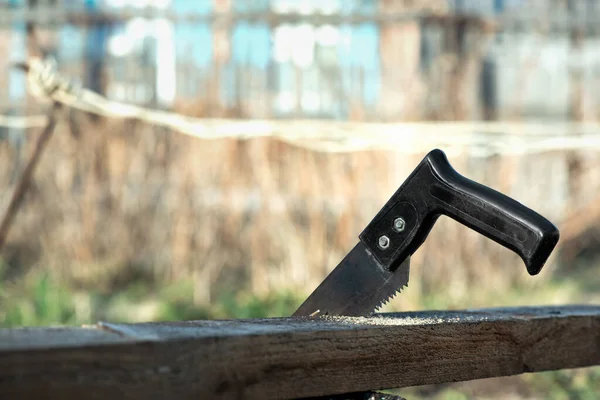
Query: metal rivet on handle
{"type": "Point", "coordinates": [383, 242]}
{"type": "Point", "coordinates": [399, 224]}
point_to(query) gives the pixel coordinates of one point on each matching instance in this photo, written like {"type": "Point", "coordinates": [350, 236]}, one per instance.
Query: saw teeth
{"type": "Point", "coordinates": [391, 296]}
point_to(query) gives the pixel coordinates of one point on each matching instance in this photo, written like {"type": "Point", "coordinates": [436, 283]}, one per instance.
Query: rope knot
{"type": "Point", "coordinates": [45, 81]}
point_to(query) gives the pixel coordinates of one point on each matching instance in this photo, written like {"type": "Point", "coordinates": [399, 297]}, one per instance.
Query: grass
{"type": "Point", "coordinates": [39, 300]}
{"type": "Point", "coordinates": [573, 384]}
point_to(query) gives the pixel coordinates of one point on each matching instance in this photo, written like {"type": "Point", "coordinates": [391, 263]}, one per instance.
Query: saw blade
{"type": "Point", "coordinates": [356, 287]}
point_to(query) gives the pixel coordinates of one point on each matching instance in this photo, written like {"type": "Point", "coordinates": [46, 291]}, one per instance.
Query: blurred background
{"type": "Point", "coordinates": [126, 220]}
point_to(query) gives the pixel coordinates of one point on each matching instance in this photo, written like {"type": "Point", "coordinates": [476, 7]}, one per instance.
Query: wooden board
{"type": "Point", "coordinates": [293, 357]}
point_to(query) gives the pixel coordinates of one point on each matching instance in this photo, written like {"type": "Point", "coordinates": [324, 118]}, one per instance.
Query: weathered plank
{"type": "Point", "coordinates": [291, 358]}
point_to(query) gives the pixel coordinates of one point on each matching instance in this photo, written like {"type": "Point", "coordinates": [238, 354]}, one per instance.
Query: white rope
{"type": "Point", "coordinates": [480, 139]}
{"type": "Point", "coordinates": [32, 121]}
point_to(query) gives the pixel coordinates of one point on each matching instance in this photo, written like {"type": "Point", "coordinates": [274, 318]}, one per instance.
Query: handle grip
{"type": "Point", "coordinates": [435, 188]}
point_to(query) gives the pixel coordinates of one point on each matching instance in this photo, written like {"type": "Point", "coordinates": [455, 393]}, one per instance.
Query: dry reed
{"type": "Point", "coordinates": [123, 200]}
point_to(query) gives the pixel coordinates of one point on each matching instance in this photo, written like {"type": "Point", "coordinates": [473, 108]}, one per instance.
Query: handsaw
{"type": "Point", "coordinates": [377, 268]}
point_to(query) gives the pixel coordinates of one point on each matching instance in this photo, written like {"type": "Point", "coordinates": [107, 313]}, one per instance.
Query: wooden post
{"type": "Point", "coordinates": [284, 358]}
{"type": "Point", "coordinates": [25, 180]}
{"type": "Point", "coordinates": [575, 163]}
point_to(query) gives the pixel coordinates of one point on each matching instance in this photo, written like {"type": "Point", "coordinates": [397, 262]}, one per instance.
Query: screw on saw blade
{"type": "Point", "coordinates": [383, 242]}
{"type": "Point", "coordinates": [399, 224]}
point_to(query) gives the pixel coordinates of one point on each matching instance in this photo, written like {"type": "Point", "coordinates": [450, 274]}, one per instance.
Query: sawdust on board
{"type": "Point", "coordinates": [399, 321]}
{"type": "Point", "coordinates": [382, 321]}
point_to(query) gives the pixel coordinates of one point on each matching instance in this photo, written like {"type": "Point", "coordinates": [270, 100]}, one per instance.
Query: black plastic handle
{"type": "Point", "coordinates": [435, 188]}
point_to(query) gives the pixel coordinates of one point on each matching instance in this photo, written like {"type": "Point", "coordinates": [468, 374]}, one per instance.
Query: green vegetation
{"type": "Point", "coordinates": [39, 300]}
{"type": "Point", "coordinates": [574, 384]}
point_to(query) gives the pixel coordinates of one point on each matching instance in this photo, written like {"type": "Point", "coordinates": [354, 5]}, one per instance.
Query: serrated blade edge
{"type": "Point", "coordinates": [387, 300]}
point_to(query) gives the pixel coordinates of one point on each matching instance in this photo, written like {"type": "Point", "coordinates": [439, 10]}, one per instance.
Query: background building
{"type": "Point", "coordinates": [358, 59]}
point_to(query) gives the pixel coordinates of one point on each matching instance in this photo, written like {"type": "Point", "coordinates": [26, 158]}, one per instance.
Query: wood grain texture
{"type": "Point", "coordinates": [293, 357]}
